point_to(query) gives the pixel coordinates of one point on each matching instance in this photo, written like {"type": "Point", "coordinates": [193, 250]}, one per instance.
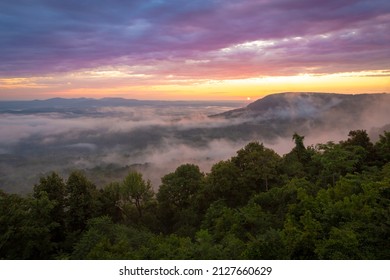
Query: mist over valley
{"type": "Point", "coordinates": [107, 137]}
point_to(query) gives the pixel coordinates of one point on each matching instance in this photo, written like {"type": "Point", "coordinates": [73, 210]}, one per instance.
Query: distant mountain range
{"type": "Point", "coordinates": [77, 104]}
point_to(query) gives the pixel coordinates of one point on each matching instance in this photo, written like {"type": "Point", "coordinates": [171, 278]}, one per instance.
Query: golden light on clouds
{"type": "Point", "coordinates": [100, 83]}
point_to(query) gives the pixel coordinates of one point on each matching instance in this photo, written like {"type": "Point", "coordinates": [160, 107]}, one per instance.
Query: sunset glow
{"type": "Point", "coordinates": [180, 50]}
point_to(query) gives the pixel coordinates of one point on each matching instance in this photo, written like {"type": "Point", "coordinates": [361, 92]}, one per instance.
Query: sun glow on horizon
{"type": "Point", "coordinates": [100, 83]}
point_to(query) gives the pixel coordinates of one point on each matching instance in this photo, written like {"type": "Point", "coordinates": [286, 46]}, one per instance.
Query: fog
{"type": "Point", "coordinates": [107, 141]}
{"type": "Point", "coordinates": [154, 140]}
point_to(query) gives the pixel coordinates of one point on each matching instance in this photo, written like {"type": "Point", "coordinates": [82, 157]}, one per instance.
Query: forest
{"type": "Point", "coordinates": [325, 201]}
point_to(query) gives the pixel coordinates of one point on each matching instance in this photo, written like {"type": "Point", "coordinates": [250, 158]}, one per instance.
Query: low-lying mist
{"type": "Point", "coordinates": [107, 141]}
{"type": "Point", "coordinates": [153, 139]}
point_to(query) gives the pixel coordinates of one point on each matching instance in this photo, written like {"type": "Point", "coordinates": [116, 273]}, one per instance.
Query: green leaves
{"type": "Point", "coordinates": [135, 193]}
{"type": "Point", "coordinates": [81, 197]}
{"type": "Point", "coordinates": [258, 167]}
{"type": "Point", "coordinates": [382, 147]}
{"type": "Point", "coordinates": [104, 239]}
{"type": "Point", "coordinates": [178, 200]}
{"type": "Point", "coordinates": [179, 188]}
{"type": "Point", "coordinates": [253, 170]}
{"type": "Point", "coordinates": [328, 202]}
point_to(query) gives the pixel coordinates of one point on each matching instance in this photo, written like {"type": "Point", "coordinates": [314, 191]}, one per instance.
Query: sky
{"type": "Point", "coordinates": [192, 50]}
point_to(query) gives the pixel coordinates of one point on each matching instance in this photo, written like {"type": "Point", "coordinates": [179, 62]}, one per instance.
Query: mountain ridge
{"type": "Point", "coordinates": [71, 104]}
{"type": "Point", "coordinates": [287, 105]}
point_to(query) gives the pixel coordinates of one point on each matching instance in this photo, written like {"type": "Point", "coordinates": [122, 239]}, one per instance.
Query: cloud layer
{"type": "Point", "coordinates": [157, 139]}
{"type": "Point", "coordinates": [193, 39]}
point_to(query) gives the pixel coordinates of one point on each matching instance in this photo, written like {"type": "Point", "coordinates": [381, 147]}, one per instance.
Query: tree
{"type": "Point", "coordinates": [300, 234]}
{"type": "Point", "coordinates": [109, 200]}
{"type": "Point", "coordinates": [297, 163]}
{"type": "Point", "coordinates": [177, 198]}
{"type": "Point", "coordinates": [13, 217]}
{"type": "Point", "coordinates": [299, 146]}
{"type": "Point", "coordinates": [169, 247]}
{"type": "Point", "coordinates": [41, 230]}
{"type": "Point", "coordinates": [80, 201]}
{"type": "Point", "coordinates": [359, 138]}
{"type": "Point", "coordinates": [336, 161]}
{"type": "Point", "coordinates": [241, 209]}
{"type": "Point", "coordinates": [223, 184]}
{"type": "Point", "coordinates": [342, 244]}
{"type": "Point", "coordinates": [266, 246]}
{"type": "Point", "coordinates": [25, 227]}
{"type": "Point", "coordinates": [178, 188]}
{"type": "Point", "coordinates": [135, 192]}
{"type": "Point", "coordinates": [382, 147]}
{"type": "Point", "coordinates": [52, 187]}
{"type": "Point", "coordinates": [206, 248]}
{"type": "Point", "coordinates": [103, 239]}
{"type": "Point", "coordinates": [258, 167]}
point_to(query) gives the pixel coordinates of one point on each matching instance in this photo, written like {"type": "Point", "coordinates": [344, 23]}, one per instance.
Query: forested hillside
{"type": "Point", "coordinates": [329, 201]}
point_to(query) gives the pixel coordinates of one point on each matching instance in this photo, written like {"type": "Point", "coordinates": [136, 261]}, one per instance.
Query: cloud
{"type": "Point", "coordinates": [87, 146]}
{"type": "Point", "coordinates": [48, 37]}
{"type": "Point", "coordinates": [103, 122]}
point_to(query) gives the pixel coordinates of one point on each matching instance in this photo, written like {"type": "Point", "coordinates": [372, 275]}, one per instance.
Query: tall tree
{"type": "Point", "coordinates": [258, 166]}
{"type": "Point", "coordinates": [80, 201]}
{"type": "Point", "coordinates": [177, 197]}
{"type": "Point", "coordinates": [223, 184]}
{"type": "Point", "coordinates": [109, 200]}
{"type": "Point", "coordinates": [335, 161]}
{"type": "Point", "coordinates": [298, 162]}
{"type": "Point", "coordinates": [178, 188]}
{"type": "Point", "coordinates": [382, 147]}
{"type": "Point", "coordinates": [359, 138]}
{"type": "Point", "coordinates": [26, 226]}
{"type": "Point", "coordinates": [135, 192]}
{"type": "Point", "coordinates": [52, 187]}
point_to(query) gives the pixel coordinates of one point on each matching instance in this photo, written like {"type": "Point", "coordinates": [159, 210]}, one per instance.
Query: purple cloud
{"type": "Point", "coordinates": [56, 36]}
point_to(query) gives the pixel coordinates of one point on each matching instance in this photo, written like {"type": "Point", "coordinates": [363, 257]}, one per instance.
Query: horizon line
{"type": "Point", "coordinates": [188, 100]}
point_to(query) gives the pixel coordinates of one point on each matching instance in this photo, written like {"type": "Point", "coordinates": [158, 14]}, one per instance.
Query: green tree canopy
{"type": "Point", "coordinates": [177, 198]}
{"type": "Point", "coordinates": [135, 194]}
{"type": "Point", "coordinates": [80, 201]}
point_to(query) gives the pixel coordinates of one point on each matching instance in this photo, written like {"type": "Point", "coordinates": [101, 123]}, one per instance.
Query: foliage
{"type": "Point", "coordinates": [80, 201]}
{"type": "Point", "coordinates": [329, 201]}
{"type": "Point", "coordinates": [177, 199]}
{"type": "Point", "coordinates": [135, 195]}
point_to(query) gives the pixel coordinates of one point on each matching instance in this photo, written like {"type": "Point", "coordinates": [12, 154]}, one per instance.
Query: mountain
{"type": "Point", "coordinates": [309, 113]}
{"type": "Point", "coordinates": [311, 105]}
{"type": "Point", "coordinates": [78, 105]}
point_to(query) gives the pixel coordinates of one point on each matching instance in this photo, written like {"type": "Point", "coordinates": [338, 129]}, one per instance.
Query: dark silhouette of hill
{"type": "Point", "coordinates": [310, 113]}
{"type": "Point", "coordinates": [310, 105]}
